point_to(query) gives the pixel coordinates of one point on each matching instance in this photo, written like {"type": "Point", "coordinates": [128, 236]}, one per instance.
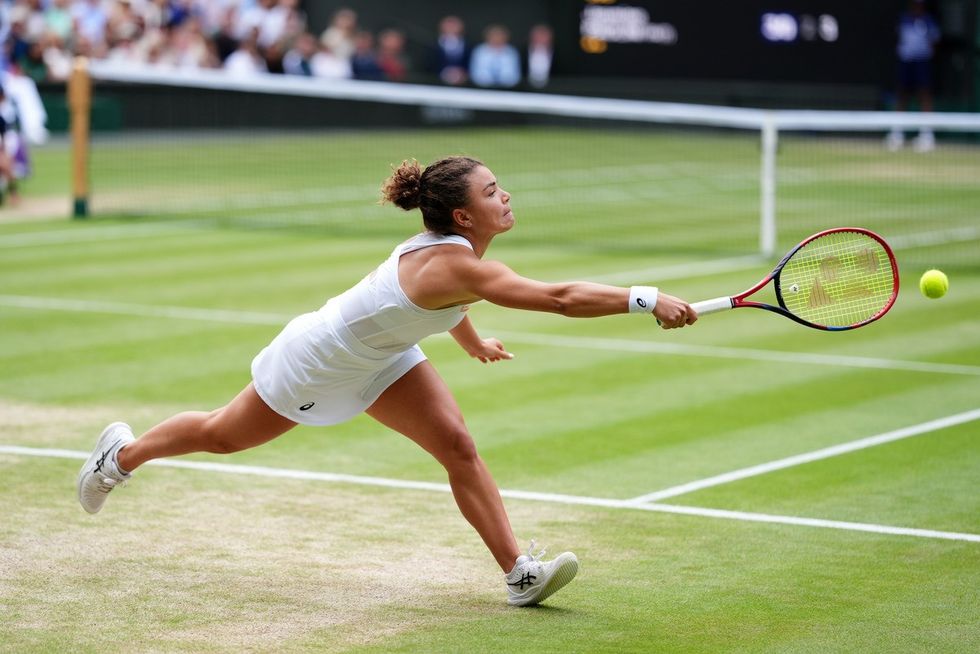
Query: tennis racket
{"type": "Point", "coordinates": [835, 280]}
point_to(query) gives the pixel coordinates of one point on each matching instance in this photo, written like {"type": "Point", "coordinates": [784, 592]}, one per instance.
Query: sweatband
{"type": "Point", "coordinates": [643, 299]}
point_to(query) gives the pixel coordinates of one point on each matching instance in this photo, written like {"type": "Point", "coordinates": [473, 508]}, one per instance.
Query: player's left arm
{"type": "Point", "coordinates": [484, 349]}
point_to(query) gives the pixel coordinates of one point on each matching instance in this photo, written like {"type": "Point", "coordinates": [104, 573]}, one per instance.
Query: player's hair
{"type": "Point", "coordinates": [437, 190]}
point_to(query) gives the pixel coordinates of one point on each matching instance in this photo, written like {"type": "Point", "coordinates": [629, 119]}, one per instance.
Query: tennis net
{"type": "Point", "coordinates": [286, 152]}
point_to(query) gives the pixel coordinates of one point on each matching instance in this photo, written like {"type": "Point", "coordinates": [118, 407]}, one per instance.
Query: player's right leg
{"type": "Point", "coordinates": [247, 421]}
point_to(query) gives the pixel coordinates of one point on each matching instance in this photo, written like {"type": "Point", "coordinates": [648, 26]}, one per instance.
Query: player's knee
{"type": "Point", "coordinates": [217, 438]}
{"type": "Point", "coordinates": [460, 450]}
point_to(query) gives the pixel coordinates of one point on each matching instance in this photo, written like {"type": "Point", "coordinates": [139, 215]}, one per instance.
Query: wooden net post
{"type": "Point", "coordinates": [80, 106]}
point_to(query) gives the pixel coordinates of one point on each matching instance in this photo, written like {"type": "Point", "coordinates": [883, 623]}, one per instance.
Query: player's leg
{"type": "Point", "coordinates": [440, 430]}
{"type": "Point", "coordinates": [247, 421]}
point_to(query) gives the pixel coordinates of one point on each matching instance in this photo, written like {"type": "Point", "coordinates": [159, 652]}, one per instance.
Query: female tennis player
{"type": "Point", "coordinates": [359, 353]}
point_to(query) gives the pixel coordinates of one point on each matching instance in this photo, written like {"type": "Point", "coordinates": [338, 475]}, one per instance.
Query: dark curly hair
{"type": "Point", "coordinates": [437, 190]}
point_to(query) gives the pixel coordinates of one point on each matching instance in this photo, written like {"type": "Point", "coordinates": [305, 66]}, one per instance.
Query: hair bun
{"type": "Point", "coordinates": [404, 187]}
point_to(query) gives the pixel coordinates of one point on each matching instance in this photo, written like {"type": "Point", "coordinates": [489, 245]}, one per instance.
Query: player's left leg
{"type": "Point", "coordinates": [246, 421]}
{"type": "Point", "coordinates": [421, 406]}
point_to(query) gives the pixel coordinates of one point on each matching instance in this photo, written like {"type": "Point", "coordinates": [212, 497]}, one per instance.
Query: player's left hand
{"type": "Point", "coordinates": [490, 350]}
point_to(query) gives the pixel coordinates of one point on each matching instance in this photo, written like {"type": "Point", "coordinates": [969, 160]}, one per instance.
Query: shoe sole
{"type": "Point", "coordinates": [565, 572]}
{"type": "Point", "coordinates": [99, 445]}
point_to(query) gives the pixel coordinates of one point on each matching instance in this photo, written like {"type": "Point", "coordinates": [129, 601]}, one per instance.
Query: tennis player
{"type": "Point", "coordinates": [359, 353]}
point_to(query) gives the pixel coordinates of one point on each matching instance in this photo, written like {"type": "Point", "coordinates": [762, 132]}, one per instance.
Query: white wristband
{"type": "Point", "coordinates": [643, 299]}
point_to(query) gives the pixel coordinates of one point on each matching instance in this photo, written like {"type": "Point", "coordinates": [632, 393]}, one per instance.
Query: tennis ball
{"type": "Point", "coordinates": [934, 284]}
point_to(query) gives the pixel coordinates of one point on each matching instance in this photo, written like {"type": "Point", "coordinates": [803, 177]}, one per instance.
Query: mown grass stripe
{"type": "Point", "coordinates": [646, 347]}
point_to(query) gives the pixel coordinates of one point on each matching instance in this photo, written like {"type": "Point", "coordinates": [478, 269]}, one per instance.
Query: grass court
{"type": "Point", "coordinates": [608, 437]}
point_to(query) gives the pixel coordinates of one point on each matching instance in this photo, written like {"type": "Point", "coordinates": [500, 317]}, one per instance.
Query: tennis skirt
{"type": "Point", "coordinates": [316, 372]}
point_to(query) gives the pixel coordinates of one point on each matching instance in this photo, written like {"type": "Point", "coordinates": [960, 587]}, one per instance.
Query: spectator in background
{"type": "Point", "coordinates": [298, 60]}
{"type": "Point", "coordinates": [17, 45]}
{"type": "Point", "coordinates": [225, 39]}
{"type": "Point", "coordinates": [179, 11]}
{"type": "Point", "coordinates": [326, 65]}
{"type": "Point", "coordinates": [339, 37]}
{"type": "Point", "coordinates": [58, 20]}
{"type": "Point", "coordinates": [251, 17]}
{"type": "Point", "coordinates": [246, 60]}
{"type": "Point", "coordinates": [33, 64]}
{"type": "Point", "coordinates": [495, 62]}
{"type": "Point", "coordinates": [391, 55]}
{"type": "Point", "coordinates": [364, 61]}
{"type": "Point", "coordinates": [189, 47]}
{"type": "Point", "coordinates": [57, 58]}
{"type": "Point", "coordinates": [8, 180]}
{"type": "Point", "coordinates": [452, 55]}
{"type": "Point", "coordinates": [125, 51]}
{"type": "Point", "coordinates": [123, 24]}
{"type": "Point", "coordinates": [918, 34]}
{"type": "Point", "coordinates": [273, 55]}
{"type": "Point", "coordinates": [540, 54]}
{"type": "Point", "coordinates": [22, 119]}
{"type": "Point", "coordinates": [283, 23]}
{"type": "Point", "coordinates": [90, 21]}
{"type": "Point", "coordinates": [26, 112]}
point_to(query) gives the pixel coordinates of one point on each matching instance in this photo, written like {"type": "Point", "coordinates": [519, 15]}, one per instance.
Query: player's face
{"type": "Point", "coordinates": [489, 204]}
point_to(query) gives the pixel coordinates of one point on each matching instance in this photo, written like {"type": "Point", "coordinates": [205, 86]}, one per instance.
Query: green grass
{"type": "Point", "coordinates": [190, 561]}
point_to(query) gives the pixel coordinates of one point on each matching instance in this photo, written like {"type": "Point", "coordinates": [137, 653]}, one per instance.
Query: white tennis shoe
{"type": "Point", "coordinates": [101, 473]}
{"type": "Point", "coordinates": [532, 580]}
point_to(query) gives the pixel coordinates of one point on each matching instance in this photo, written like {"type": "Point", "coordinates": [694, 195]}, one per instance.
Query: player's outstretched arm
{"type": "Point", "coordinates": [495, 282]}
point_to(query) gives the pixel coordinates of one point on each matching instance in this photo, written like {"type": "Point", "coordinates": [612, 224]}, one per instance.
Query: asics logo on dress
{"type": "Point", "coordinates": [307, 407]}
{"type": "Point", "coordinates": [527, 579]}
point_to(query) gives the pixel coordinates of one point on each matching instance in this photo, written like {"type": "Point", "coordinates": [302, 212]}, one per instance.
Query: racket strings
{"type": "Point", "coordinates": [838, 280]}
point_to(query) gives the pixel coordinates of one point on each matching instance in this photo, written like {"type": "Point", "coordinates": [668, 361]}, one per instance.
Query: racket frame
{"type": "Point", "coordinates": [739, 301]}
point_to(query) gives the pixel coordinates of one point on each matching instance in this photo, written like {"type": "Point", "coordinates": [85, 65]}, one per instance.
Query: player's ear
{"type": "Point", "coordinates": [462, 218]}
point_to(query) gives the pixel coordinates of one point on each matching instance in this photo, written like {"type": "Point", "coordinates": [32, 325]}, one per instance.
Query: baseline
{"type": "Point", "coordinates": [554, 498]}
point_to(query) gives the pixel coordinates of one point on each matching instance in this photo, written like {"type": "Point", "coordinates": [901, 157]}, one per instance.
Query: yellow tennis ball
{"type": "Point", "coordinates": [934, 284]}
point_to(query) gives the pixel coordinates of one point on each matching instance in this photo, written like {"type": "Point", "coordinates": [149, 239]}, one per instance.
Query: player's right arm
{"type": "Point", "coordinates": [495, 282]}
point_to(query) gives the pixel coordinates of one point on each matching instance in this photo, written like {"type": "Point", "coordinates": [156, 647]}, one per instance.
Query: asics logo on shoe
{"type": "Point", "coordinates": [527, 579]}
{"type": "Point", "coordinates": [307, 407]}
{"type": "Point", "coordinates": [101, 461]}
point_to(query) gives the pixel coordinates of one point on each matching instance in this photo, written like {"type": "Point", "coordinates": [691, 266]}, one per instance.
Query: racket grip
{"type": "Point", "coordinates": [712, 306]}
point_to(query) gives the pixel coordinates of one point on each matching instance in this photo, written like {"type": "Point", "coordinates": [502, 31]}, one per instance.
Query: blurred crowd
{"type": "Point", "coordinates": [246, 37]}
{"type": "Point", "coordinates": [40, 39]}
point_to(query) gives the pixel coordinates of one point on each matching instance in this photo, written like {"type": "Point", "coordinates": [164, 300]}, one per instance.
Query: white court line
{"type": "Point", "coordinates": [721, 352]}
{"type": "Point", "coordinates": [809, 522]}
{"type": "Point", "coordinates": [554, 498]}
{"type": "Point", "coordinates": [552, 340]}
{"type": "Point", "coordinates": [809, 457]}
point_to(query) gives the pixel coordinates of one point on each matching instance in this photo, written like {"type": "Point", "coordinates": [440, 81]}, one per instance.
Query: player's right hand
{"type": "Point", "coordinates": [672, 312]}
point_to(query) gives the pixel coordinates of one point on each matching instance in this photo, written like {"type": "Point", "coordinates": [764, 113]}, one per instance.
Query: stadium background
{"type": "Point", "coordinates": [719, 58]}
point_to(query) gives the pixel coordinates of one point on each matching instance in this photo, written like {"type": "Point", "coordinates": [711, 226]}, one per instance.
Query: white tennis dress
{"type": "Point", "coordinates": [328, 366]}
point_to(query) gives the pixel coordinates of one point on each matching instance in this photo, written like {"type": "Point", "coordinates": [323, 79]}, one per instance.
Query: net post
{"type": "Point", "coordinates": [79, 105]}
{"type": "Point", "coordinates": [767, 215]}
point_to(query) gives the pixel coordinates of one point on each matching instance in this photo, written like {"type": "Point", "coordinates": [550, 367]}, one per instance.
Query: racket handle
{"type": "Point", "coordinates": [712, 306]}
